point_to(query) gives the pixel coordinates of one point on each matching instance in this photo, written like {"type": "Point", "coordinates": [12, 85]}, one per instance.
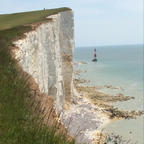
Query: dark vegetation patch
{"type": "Point", "coordinates": [111, 138]}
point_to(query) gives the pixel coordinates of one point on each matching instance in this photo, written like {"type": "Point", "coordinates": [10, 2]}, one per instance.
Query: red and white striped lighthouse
{"type": "Point", "coordinates": [95, 56]}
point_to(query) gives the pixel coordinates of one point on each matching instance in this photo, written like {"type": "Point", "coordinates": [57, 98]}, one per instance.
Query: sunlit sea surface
{"type": "Point", "coordinates": [119, 66]}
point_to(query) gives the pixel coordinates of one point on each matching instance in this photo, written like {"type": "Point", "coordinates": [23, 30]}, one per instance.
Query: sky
{"type": "Point", "coordinates": [97, 22]}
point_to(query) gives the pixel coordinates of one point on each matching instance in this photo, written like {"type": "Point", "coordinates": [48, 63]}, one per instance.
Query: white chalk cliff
{"type": "Point", "coordinates": [46, 53]}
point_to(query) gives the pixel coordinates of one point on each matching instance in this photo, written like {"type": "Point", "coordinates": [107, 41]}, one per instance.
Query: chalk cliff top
{"type": "Point", "coordinates": [8, 21]}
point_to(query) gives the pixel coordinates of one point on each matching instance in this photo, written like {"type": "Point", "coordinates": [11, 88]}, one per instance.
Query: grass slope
{"type": "Point", "coordinates": [13, 20]}
{"type": "Point", "coordinates": [18, 124]}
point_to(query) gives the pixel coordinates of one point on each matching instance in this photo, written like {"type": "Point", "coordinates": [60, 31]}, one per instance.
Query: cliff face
{"type": "Point", "coordinates": [46, 53]}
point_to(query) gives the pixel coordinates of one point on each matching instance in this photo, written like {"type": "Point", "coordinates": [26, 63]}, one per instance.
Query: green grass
{"type": "Point", "coordinates": [18, 123]}
{"type": "Point", "coordinates": [13, 20]}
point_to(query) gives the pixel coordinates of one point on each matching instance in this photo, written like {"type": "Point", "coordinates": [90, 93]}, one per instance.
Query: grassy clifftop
{"type": "Point", "coordinates": [18, 123]}
{"type": "Point", "coordinates": [8, 21]}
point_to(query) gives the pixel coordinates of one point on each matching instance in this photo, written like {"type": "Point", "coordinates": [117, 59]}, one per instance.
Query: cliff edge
{"type": "Point", "coordinates": [46, 53]}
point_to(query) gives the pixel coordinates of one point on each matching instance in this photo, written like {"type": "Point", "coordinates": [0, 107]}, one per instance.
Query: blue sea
{"type": "Point", "coordinates": [118, 66]}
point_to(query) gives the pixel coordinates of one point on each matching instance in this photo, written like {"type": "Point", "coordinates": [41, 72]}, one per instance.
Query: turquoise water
{"type": "Point", "coordinates": [119, 66]}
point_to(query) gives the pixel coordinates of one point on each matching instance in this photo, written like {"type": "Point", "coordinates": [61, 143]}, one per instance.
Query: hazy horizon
{"type": "Point", "coordinates": [142, 44]}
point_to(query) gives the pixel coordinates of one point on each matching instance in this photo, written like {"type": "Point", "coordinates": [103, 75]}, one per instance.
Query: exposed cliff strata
{"type": "Point", "coordinates": [46, 53]}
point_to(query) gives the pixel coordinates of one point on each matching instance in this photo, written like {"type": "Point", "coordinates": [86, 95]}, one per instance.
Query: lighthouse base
{"type": "Point", "coordinates": [94, 60]}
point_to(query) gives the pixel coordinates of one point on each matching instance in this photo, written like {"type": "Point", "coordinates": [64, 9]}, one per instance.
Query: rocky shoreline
{"type": "Point", "coordinates": [91, 110]}
{"type": "Point", "coordinates": [104, 101]}
{"type": "Point", "coordinates": [84, 120]}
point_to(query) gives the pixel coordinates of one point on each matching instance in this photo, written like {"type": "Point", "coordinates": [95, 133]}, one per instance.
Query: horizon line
{"type": "Point", "coordinates": [111, 45]}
